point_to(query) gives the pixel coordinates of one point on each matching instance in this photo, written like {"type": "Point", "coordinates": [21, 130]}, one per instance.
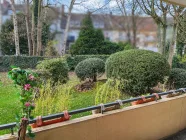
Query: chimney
{"type": "Point", "coordinates": [63, 10]}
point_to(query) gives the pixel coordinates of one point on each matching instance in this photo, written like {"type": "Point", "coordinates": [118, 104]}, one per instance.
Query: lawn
{"type": "Point", "coordinates": [10, 105]}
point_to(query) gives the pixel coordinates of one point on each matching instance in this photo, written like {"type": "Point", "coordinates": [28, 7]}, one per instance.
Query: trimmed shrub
{"type": "Point", "coordinates": [138, 70]}
{"type": "Point", "coordinates": [26, 62]}
{"type": "Point", "coordinates": [23, 62]}
{"type": "Point", "coordinates": [110, 48]}
{"type": "Point", "coordinates": [54, 69]}
{"type": "Point", "coordinates": [90, 68]}
{"type": "Point", "coordinates": [126, 45]}
{"type": "Point", "coordinates": [74, 60]}
{"type": "Point", "coordinates": [177, 79]}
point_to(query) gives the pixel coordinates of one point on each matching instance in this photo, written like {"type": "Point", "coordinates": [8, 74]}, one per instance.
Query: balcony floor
{"type": "Point", "coordinates": [178, 136]}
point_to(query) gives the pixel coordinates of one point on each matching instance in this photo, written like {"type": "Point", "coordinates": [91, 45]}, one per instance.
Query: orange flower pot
{"type": "Point", "coordinates": [49, 122]}
{"type": "Point", "coordinates": [142, 101]}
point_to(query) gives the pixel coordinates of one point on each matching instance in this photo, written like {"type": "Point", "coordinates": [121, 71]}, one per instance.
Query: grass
{"type": "Point", "coordinates": [82, 100]}
{"type": "Point", "coordinates": [10, 105]}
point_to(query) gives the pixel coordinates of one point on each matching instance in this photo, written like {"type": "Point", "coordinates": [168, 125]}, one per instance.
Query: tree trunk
{"type": "Point", "coordinates": [159, 39]}
{"type": "Point", "coordinates": [33, 38]}
{"type": "Point", "coordinates": [173, 45]}
{"type": "Point", "coordinates": [39, 30]}
{"type": "Point", "coordinates": [34, 25]}
{"type": "Point", "coordinates": [16, 34]}
{"type": "Point", "coordinates": [163, 30]}
{"type": "Point", "coordinates": [164, 34]}
{"type": "Point", "coordinates": [33, 34]}
{"type": "Point", "coordinates": [64, 46]}
{"type": "Point", "coordinates": [95, 78]}
{"type": "Point", "coordinates": [28, 27]}
{"type": "Point", "coordinates": [22, 130]}
{"type": "Point", "coordinates": [134, 29]}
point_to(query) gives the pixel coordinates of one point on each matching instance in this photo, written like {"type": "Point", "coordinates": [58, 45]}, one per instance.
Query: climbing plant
{"type": "Point", "coordinates": [27, 81]}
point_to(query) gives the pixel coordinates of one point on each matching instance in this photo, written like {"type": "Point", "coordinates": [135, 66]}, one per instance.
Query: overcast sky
{"type": "Point", "coordinates": [84, 6]}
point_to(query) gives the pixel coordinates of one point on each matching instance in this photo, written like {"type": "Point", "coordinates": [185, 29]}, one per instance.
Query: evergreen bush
{"type": "Point", "coordinates": [138, 70]}
{"type": "Point", "coordinates": [54, 69]}
{"type": "Point", "coordinates": [177, 78]}
{"type": "Point", "coordinates": [90, 68]}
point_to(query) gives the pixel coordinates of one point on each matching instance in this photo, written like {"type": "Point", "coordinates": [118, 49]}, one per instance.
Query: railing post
{"type": "Point", "coordinates": [12, 130]}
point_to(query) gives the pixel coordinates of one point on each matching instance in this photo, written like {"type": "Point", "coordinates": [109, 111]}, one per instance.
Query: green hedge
{"type": "Point", "coordinates": [31, 61]}
{"type": "Point", "coordinates": [23, 62]}
{"type": "Point", "coordinates": [177, 79]}
{"type": "Point", "coordinates": [74, 60]}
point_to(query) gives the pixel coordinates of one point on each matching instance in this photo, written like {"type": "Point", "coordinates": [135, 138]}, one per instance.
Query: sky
{"type": "Point", "coordinates": [86, 5]}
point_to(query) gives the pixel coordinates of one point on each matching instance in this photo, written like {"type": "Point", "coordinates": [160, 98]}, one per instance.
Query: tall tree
{"type": "Point", "coordinates": [7, 36]}
{"type": "Point", "coordinates": [181, 40]}
{"type": "Point", "coordinates": [27, 19]}
{"type": "Point", "coordinates": [122, 6]}
{"type": "Point", "coordinates": [39, 29]}
{"type": "Point", "coordinates": [16, 34]}
{"type": "Point", "coordinates": [158, 10]}
{"type": "Point", "coordinates": [130, 11]}
{"type": "Point", "coordinates": [89, 40]}
{"type": "Point", "coordinates": [176, 12]}
{"type": "Point", "coordinates": [67, 27]}
{"type": "Point", "coordinates": [34, 25]}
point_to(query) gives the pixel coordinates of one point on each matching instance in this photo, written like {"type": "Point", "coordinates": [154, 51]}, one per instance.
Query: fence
{"type": "Point", "coordinates": [53, 116]}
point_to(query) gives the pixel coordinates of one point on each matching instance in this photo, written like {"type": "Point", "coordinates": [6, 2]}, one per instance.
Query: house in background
{"type": "Point", "coordinates": [114, 29]}
{"type": "Point", "coordinates": [113, 26]}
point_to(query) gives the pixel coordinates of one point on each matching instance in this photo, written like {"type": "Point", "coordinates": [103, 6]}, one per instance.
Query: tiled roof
{"type": "Point", "coordinates": [113, 22]}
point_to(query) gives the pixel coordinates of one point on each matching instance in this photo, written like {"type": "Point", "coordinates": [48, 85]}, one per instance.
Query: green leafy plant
{"type": "Point", "coordinates": [177, 79]}
{"type": "Point", "coordinates": [52, 100]}
{"type": "Point", "coordinates": [54, 69]}
{"type": "Point", "coordinates": [108, 92]}
{"type": "Point", "coordinates": [109, 47]}
{"type": "Point", "coordinates": [74, 60]}
{"type": "Point", "coordinates": [50, 49]}
{"type": "Point", "coordinates": [90, 68]}
{"type": "Point", "coordinates": [125, 46]}
{"type": "Point", "coordinates": [27, 81]}
{"type": "Point", "coordinates": [137, 70]}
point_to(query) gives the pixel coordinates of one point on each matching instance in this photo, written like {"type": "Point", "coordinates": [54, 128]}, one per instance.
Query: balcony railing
{"type": "Point", "coordinates": [54, 116]}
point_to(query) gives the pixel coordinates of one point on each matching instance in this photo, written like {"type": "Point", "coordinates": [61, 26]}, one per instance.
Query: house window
{"type": "Point", "coordinates": [71, 38]}
{"type": "Point", "coordinates": [98, 25]}
{"type": "Point", "coordinates": [75, 24]}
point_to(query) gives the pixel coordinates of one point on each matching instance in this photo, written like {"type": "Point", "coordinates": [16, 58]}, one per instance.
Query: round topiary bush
{"type": "Point", "coordinates": [54, 69]}
{"type": "Point", "coordinates": [138, 70]}
{"type": "Point", "coordinates": [177, 79]}
{"type": "Point", "coordinates": [90, 68]}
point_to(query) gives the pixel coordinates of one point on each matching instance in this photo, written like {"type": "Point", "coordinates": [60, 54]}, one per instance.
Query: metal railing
{"type": "Point", "coordinates": [54, 116]}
